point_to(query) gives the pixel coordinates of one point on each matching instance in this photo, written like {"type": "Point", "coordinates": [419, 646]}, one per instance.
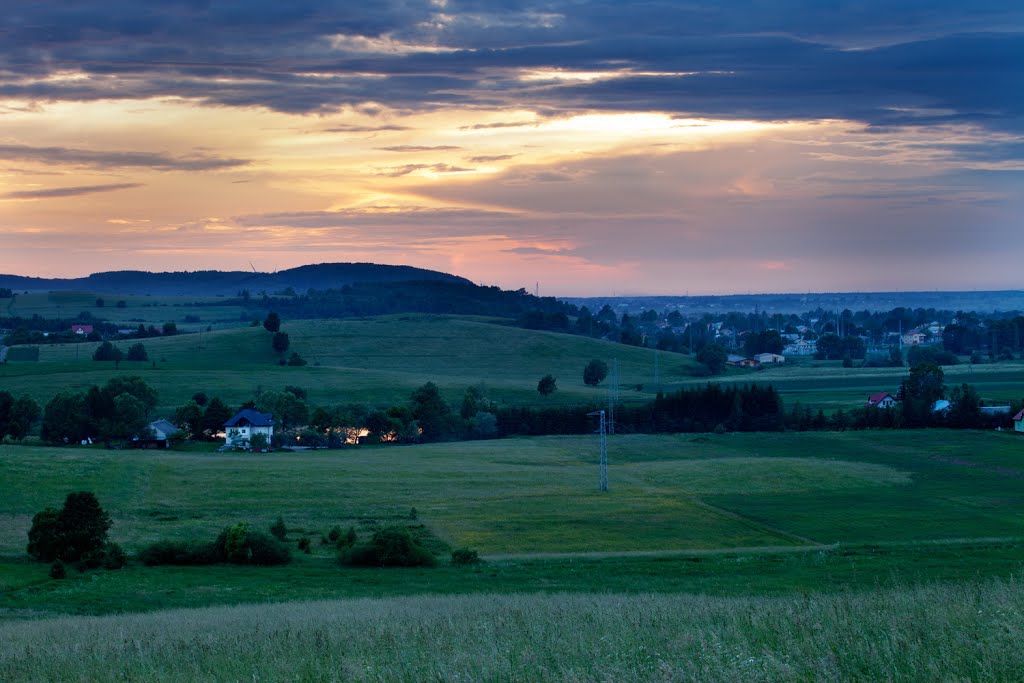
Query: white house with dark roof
{"type": "Point", "coordinates": [246, 423]}
{"type": "Point", "coordinates": [883, 399]}
{"type": "Point", "coordinates": [1018, 422]}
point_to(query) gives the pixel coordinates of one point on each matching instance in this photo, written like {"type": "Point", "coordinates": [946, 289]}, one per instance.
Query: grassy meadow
{"type": "Point", "coordinates": [937, 633]}
{"type": "Point", "coordinates": [151, 310]}
{"type": "Point", "coordinates": [873, 555]}
{"type": "Point", "coordinates": [730, 514]}
{"type": "Point", "coordinates": [377, 360]}
{"type": "Point", "coordinates": [381, 360]}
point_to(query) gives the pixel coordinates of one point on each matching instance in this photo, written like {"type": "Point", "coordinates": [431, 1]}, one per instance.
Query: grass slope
{"type": "Point", "coordinates": [377, 360]}
{"type": "Point", "coordinates": [151, 310]}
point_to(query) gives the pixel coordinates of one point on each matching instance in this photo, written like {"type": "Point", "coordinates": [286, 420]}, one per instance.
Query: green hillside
{"type": "Point", "coordinates": [150, 310]}
{"type": "Point", "coordinates": [373, 360]}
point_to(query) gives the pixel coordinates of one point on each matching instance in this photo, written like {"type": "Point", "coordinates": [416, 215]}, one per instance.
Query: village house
{"type": "Point", "coordinates": [770, 358]}
{"type": "Point", "coordinates": [246, 423]}
{"type": "Point", "coordinates": [1018, 422]}
{"type": "Point", "coordinates": [802, 347]}
{"type": "Point", "coordinates": [883, 399]}
{"type": "Point", "coordinates": [81, 329]}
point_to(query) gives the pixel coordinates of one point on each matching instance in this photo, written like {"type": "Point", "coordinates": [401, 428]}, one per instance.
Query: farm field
{"type": "Point", "coordinates": [151, 310]}
{"type": "Point", "coordinates": [376, 360]}
{"type": "Point", "coordinates": [732, 514]}
{"type": "Point", "coordinates": [381, 360]}
{"type": "Point", "coordinates": [829, 386]}
{"type": "Point", "coordinates": [867, 555]}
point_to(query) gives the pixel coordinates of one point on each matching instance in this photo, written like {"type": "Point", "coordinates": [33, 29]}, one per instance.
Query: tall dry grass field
{"type": "Point", "coordinates": [969, 631]}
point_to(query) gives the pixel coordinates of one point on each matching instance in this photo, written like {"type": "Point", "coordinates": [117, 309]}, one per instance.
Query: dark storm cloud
{"type": "Point", "coordinates": [102, 159]}
{"type": "Point", "coordinates": [916, 64]}
{"type": "Point", "coordinates": [67, 191]}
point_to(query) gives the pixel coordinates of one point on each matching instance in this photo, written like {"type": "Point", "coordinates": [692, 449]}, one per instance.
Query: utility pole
{"type": "Point", "coordinates": [602, 463]}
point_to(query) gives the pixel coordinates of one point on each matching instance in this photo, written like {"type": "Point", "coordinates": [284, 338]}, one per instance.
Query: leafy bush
{"type": "Point", "coordinates": [334, 534]}
{"type": "Point", "coordinates": [57, 570]}
{"type": "Point", "coordinates": [346, 540]}
{"type": "Point", "coordinates": [465, 556]}
{"type": "Point", "coordinates": [178, 553]}
{"type": "Point", "coordinates": [137, 352]}
{"type": "Point", "coordinates": [305, 545]}
{"type": "Point", "coordinates": [238, 544]}
{"type": "Point", "coordinates": [278, 529]}
{"type": "Point", "coordinates": [266, 550]}
{"type": "Point", "coordinates": [391, 546]}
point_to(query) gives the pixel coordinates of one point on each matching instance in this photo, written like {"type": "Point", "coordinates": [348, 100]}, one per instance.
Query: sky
{"type": "Point", "coordinates": [580, 147]}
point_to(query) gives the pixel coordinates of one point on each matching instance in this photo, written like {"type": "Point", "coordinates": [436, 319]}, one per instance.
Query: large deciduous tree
{"type": "Point", "coordinates": [594, 372]}
{"type": "Point", "coordinates": [72, 533]}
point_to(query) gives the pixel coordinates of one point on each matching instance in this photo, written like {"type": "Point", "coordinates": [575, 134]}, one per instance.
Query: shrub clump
{"type": "Point", "coordinates": [465, 557]}
{"type": "Point", "coordinates": [179, 553]}
{"type": "Point", "coordinates": [391, 546]}
{"type": "Point", "coordinates": [278, 529]}
{"type": "Point", "coordinates": [236, 544]}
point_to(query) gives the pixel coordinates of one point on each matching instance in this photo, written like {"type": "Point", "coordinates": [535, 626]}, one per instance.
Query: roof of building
{"type": "Point", "coordinates": [879, 397]}
{"type": "Point", "coordinates": [254, 418]}
{"type": "Point", "coordinates": [1019, 416]}
{"type": "Point", "coordinates": [163, 426]}
{"type": "Point", "coordinates": [84, 328]}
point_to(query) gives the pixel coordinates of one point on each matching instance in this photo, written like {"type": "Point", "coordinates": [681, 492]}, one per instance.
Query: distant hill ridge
{"type": "Point", "coordinates": [216, 282]}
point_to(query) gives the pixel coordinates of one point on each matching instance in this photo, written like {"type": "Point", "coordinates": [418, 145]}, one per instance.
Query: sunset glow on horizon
{"type": "Point", "coordinates": [583, 146]}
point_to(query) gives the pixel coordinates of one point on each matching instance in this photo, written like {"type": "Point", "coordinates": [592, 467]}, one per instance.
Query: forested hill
{"type": "Point", "coordinates": [214, 282]}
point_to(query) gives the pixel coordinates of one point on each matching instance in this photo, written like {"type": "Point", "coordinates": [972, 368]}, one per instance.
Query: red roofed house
{"type": "Point", "coordinates": [883, 399]}
{"type": "Point", "coordinates": [81, 329]}
{"type": "Point", "coordinates": [1018, 422]}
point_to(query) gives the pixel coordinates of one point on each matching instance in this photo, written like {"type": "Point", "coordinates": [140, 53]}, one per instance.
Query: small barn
{"type": "Point", "coordinates": [1018, 422]}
